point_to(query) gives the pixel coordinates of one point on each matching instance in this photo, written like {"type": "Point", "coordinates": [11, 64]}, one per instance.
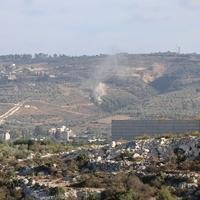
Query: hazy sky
{"type": "Point", "coordinates": [77, 27]}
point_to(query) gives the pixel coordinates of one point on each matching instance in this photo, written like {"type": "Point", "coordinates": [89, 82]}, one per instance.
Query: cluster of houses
{"type": "Point", "coordinates": [8, 73]}
{"type": "Point", "coordinates": [62, 133]}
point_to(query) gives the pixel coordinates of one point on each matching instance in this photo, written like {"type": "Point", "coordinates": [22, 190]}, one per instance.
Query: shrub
{"type": "Point", "coordinates": [21, 155]}
{"type": "Point", "coordinates": [93, 196]}
{"type": "Point", "coordinates": [58, 192]}
{"type": "Point", "coordinates": [128, 195]}
{"type": "Point", "coordinates": [165, 194]}
{"type": "Point", "coordinates": [127, 186]}
{"type": "Point", "coordinates": [82, 157]}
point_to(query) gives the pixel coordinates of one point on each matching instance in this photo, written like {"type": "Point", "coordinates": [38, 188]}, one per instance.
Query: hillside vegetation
{"type": "Point", "coordinates": [80, 91]}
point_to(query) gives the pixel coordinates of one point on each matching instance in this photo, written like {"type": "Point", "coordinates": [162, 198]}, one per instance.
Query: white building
{"type": "Point", "coordinates": [62, 133]}
{"type": "Point", "coordinates": [52, 130]}
{"type": "Point", "coordinates": [63, 129]}
{"type": "Point", "coordinates": [5, 136]}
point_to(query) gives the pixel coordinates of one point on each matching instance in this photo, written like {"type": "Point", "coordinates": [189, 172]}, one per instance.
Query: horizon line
{"type": "Point", "coordinates": [99, 54]}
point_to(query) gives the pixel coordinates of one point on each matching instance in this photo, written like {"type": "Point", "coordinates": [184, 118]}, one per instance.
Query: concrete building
{"type": "Point", "coordinates": [62, 133]}
{"type": "Point", "coordinates": [5, 136]}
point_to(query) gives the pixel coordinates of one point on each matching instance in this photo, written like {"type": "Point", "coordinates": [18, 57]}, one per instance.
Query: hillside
{"type": "Point", "coordinates": [161, 168]}
{"type": "Point", "coordinates": [86, 92]}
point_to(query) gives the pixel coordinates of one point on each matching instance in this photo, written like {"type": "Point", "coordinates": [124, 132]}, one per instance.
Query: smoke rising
{"type": "Point", "coordinates": [102, 72]}
{"type": "Point", "coordinates": [99, 92]}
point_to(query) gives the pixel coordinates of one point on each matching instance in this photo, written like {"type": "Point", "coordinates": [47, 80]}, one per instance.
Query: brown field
{"type": "Point", "coordinates": [108, 120]}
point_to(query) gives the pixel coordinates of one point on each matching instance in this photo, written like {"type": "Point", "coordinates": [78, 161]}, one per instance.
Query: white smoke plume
{"type": "Point", "coordinates": [107, 68]}
{"type": "Point", "coordinates": [99, 92]}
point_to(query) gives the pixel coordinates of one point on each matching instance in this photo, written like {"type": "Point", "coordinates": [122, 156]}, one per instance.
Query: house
{"type": "Point", "coordinates": [5, 136]}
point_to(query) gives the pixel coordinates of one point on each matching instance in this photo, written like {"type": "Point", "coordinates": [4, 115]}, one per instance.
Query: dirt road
{"type": "Point", "coordinates": [11, 112]}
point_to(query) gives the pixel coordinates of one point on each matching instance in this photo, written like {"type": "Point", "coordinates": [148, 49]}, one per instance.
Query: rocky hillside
{"type": "Point", "coordinates": [162, 168]}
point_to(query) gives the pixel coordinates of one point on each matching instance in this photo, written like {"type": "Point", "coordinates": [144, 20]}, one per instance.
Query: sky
{"type": "Point", "coordinates": [90, 27]}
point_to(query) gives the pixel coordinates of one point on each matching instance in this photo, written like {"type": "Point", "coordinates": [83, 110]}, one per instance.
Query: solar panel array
{"type": "Point", "coordinates": [128, 129]}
